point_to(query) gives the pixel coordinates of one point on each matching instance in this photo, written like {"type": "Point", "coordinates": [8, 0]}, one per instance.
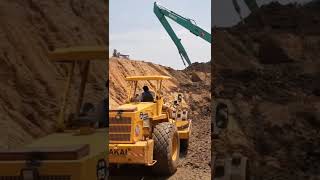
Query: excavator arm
{"type": "Point", "coordinates": [162, 13]}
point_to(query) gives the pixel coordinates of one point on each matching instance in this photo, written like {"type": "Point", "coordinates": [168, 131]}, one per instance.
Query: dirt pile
{"type": "Point", "coordinates": [197, 95]}
{"type": "Point", "coordinates": [270, 74]}
{"type": "Point", "coordinates": [31, 85]}
{"type": "Point", "coordinates": [121, 68]}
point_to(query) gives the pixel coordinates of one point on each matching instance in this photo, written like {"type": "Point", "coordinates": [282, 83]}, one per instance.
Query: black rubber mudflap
{"type": "Point", "coordinates": [184, 144]}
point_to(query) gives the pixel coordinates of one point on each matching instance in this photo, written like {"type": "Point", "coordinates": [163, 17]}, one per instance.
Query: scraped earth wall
{"type": "Point", "coordinates": [31, 85]}
{"type": "Point", "coordinates": [269, 69]}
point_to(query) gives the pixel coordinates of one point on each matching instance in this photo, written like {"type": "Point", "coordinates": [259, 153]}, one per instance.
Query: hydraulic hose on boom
{"type": "Point", "coordinates": [162, 13]}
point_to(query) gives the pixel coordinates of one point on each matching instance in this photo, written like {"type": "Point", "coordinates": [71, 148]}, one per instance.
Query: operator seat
{"type": "Point", "coordinates": [147, 97]}
{"type": "Point", "coordinates": [87, 116]}
{"type": "Point", "coordinates": [94, 116]}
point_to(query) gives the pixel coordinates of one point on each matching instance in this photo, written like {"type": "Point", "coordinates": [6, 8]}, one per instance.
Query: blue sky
{"type": "Point", "coordinates": [135, 30]}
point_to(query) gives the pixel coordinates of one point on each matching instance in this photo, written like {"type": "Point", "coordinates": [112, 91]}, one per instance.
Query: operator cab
{"type": "Point", "coordinates": [86, 115]}
{"type": "Point", "coordinates": [145, 95]}
{"type": "Point", "coordinates": [150, 92]}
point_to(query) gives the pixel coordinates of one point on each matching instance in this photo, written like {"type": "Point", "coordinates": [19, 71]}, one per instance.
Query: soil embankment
{"type": "Point", "coordinates": [269, 70]}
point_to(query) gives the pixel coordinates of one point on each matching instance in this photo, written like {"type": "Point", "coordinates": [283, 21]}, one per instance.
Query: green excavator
{"type": "Point", "coordinates": [162, 13]}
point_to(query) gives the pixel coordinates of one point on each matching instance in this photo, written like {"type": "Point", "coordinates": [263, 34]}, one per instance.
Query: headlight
{"type": "Point", "coordinates": [146, 120]}
{"type": "Point", "coordinates": [137, 130]}
{"type": "Point", "coordinates": [146, 123]}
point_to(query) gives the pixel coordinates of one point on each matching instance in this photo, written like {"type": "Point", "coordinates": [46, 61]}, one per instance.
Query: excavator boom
{"type": "Point", "coordinates": [162, 13]}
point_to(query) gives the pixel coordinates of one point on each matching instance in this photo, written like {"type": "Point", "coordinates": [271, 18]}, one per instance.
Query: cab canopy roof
{"type": "Point", "coordinates": [140, 78]}
{"type": "Point", "coordinates": [79, 54]}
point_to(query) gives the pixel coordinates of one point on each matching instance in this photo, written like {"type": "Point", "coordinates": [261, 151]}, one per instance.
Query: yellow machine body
{"type": "Point", "coordinates": [130, 127]}
{"type": "Point", "coordinates": [82, 167]}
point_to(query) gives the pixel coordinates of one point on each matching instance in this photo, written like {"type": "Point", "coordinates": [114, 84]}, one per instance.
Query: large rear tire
{"type": "Point", "coordinates": [166, 148]}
